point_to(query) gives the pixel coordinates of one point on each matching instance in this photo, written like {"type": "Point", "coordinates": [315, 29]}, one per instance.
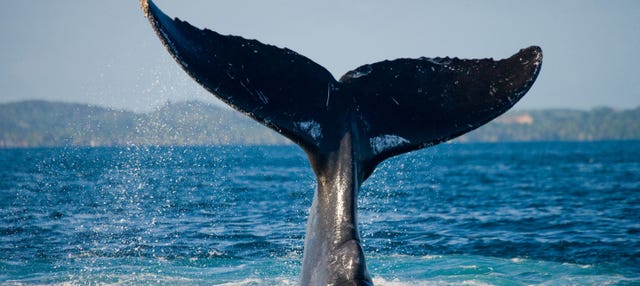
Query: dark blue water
{"type": "Point", "coordinates": [465, 214]}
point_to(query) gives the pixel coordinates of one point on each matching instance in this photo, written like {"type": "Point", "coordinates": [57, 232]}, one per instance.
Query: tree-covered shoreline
{"type": "Point", "coordinates": [56, 124]}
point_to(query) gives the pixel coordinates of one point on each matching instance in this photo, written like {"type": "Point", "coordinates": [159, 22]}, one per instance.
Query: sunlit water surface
{"type": "Point", "coordinates": [456, 214]}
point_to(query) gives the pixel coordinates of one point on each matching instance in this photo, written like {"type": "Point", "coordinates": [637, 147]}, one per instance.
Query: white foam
{"type": "Point", "coordinates": [397, 282]}
{"type": "Point", "coordinates": [248, 281]}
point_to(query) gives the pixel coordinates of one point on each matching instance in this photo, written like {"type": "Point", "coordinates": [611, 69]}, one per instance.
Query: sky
{"type": "Point", "coordinates": [106, 53]}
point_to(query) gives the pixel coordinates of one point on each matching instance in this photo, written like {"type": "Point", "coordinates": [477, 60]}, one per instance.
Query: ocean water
{"type": "Point", "coordinates": [455, 214]}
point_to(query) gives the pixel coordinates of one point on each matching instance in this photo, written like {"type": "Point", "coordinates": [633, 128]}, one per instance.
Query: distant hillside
{"type": "Point", "coordinates": [42, 124]}
{"type": "Point", "coordinates": [560, 125]}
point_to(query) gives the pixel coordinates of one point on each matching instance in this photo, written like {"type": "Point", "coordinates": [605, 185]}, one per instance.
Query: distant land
{"type": "Point", "coordinates": [193, 123]}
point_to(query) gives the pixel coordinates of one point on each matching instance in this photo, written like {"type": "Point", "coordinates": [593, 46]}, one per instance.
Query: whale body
{"type": "Point", "coordinates": [346, 126]}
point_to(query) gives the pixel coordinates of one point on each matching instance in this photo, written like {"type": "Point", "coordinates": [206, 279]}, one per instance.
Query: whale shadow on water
{"type": "Point", "coordinates": [346, 126]}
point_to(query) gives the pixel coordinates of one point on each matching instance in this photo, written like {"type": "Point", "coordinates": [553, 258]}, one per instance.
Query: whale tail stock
{"type": "Point", "coordinates": [346, 126]}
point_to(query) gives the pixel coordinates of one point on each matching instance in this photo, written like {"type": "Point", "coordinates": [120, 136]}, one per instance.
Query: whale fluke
{"type": "Point", "coordinates": [347, 126]}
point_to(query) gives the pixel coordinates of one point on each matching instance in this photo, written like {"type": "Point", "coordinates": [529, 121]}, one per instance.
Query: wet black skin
{"type": "Point", "coordinates": [347, 126]}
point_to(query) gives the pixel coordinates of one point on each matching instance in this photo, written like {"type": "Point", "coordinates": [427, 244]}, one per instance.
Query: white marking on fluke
{"type": "Point", "coordinates": [310, 127]}
{"type": "Point", "coordinates": [382, 143]}
{"type": "Point", "coordinates": [366, 70]}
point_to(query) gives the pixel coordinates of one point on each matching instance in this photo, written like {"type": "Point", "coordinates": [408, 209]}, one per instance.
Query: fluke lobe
{"type": "Point", "coordinates": [347, 126]}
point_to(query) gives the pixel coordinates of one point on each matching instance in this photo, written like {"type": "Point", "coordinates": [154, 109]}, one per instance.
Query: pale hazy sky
{"type": "Point", "coordinates": [105, 52]}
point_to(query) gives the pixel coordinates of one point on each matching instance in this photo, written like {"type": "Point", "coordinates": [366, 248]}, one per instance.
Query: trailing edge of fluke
{"type": "Point", "coordinates": [346, 126]}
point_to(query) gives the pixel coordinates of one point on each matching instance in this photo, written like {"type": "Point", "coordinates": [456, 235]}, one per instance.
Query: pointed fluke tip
{"type": "Point", "coordinates": [144, 4]}
{"type": "Point", "coordinates": [531, 59]}
{"type": "Point", "coordinates": [533, 52]}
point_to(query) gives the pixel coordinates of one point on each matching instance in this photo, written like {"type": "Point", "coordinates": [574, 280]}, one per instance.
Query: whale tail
{"type": "Point", "coordinates": [371, 113]}
{"type": "Point", "coordinates": [399, 105]}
